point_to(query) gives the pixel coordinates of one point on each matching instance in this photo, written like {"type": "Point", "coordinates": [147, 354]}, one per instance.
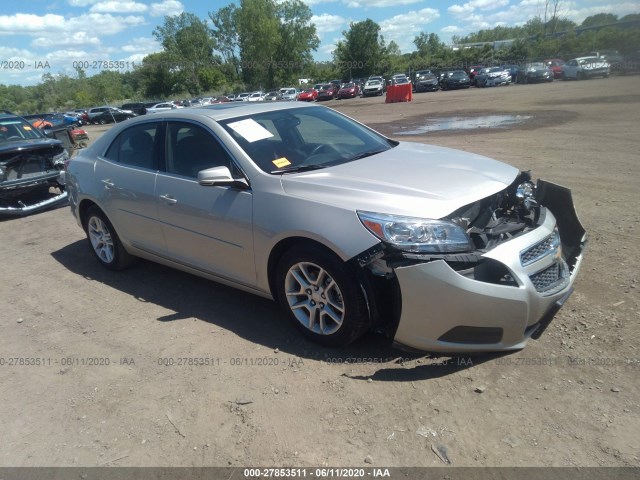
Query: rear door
{"type": "Point", "coordinates": [127, 173]}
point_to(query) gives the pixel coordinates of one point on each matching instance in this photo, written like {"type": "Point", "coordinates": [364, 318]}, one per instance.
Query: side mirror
{"type": "Point", "coordinates": [220, 177]}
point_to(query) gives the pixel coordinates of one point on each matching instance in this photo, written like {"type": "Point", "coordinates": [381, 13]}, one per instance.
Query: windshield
{"type": "Point", "coordinates": [13, 129]}
{"type": "Point", "coordinates": [458, 74]}
{"type": "Point", "coordinates": [303, 138]}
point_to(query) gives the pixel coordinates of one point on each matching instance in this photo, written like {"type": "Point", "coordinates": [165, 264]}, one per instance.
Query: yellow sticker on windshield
{"type": "Point", "coordinates": [281, 162]}
{"type": "Point", "coordinates": [26, 127]}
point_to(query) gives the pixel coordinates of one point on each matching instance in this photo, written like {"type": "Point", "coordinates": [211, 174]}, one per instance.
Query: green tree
{"type": "Point", "coordinates": [362, 51]}
{"type": "Point", "coordinates": [297, 39]}
{"type": "Point", "coordinates": [225, 35]}
{"type": "Point", "coordinates": [155, 76]}
{"type": "Point", "coordinates": [599, 19]}
{"type": "Point", "coordinates": [189, 45]}
{"type": "Point", "coordinates": [258, 33]}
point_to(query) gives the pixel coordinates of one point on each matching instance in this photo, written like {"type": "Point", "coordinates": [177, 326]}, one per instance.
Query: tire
{"type": "Point", "coordinates": [102, 121]}
{"type": "Point", "coordinates": [104, 241]}
{"type": "Point", "coordinates": [330, 307]}
{"type": "Point", "coordinates": [563, 76]}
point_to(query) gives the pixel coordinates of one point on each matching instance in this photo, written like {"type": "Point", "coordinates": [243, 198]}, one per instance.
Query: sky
{"type": "Point", "coordinates": [53, 36]}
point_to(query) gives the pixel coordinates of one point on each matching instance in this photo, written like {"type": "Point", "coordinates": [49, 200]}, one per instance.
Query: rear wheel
{"type": "Point", "coordinates": [105, 242]}
{"type": "Point", "coordinates": [321, 296]}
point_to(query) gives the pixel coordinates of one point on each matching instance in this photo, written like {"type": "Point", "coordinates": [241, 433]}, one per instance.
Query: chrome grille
{"type": "Point", "coordinates": [541, 249]}
{"type": "Point", "coordinates": [552, 279]}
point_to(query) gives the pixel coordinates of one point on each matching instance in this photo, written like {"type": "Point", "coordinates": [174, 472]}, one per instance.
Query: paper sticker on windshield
{"type": "Point", "coordinates": [281, 162]}
{"type": "Point", "coordinates": [250, 130]}
{"type": "Point", "coordinates": [26, 127]}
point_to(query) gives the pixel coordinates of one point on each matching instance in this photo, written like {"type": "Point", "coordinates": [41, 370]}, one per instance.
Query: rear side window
{"type": "Point", "coordinates": [136, 146]}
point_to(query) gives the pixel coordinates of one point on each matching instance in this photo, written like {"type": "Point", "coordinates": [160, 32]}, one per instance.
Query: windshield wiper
{"type": "Point", "coordinates": [297, 168]}
{"type": "Point", "coordinates": [365, 154]}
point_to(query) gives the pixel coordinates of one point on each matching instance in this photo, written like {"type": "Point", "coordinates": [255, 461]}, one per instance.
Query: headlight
{"type": "Point", "coordinates": [416, 234]}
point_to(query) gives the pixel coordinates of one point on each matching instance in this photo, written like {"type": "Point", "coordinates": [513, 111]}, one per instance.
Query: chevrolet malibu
{"type": "Point", "coordinates": [346, 229]}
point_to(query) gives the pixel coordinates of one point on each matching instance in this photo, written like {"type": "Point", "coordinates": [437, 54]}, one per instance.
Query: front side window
{"type": "Point", "coordinates": [191, 148]}
{"type": "Point", "coordinates": [136, 146]}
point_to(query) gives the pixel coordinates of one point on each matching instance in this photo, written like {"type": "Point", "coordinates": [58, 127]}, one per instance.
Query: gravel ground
{"type": "Point", "coordinates": [115, 382]}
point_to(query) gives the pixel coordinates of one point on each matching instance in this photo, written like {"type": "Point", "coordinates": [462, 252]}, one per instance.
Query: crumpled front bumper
{"type": "Point", "coordinates": [21, 207]}
{"type": "Point", "coordinates": [446, 311]}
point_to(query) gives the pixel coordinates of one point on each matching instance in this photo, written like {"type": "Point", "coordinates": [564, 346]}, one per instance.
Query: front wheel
{"type": "Point", "coordinates": [321, 296]}
{"type": "Point", "coordinates": [105, 242]}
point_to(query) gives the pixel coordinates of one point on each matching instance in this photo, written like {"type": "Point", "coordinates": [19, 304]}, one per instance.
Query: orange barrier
{"type": "Point", "coordinates": [399, 93]}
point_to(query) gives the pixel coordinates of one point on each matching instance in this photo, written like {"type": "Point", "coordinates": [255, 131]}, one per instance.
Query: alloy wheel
{"type": "Point", "coordinates": [314, 298]}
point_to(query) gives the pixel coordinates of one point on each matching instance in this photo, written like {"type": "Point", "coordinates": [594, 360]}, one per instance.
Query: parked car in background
{"type": "Point", "coordinates": [336, 84]}
{"type": "Point", "coordinates": [31, 167]}
{"type": "Point", "coordinates": [513, 71]}
{"type": "Point", "coordinates": [582, 68]}
{"type": "Point", "coordinates": [425, 81]}
{"type": "Point", "coordinates": [54, 119]}
{"type": "Point", "coordinates": [349, 90]}
{"type": "Point", "coordinates": [326, 92]}
{"type": "Point", "coordinates": [492, 77]}
{"type": "Point", "coordinates": [289, 94]}
{"type": "Point", "coordinates": [555, 65]}
{"type": "Point", "coordinates": [161, 107]}
{"type": "Point", "coordinates": [139, 108]}
{"type": "Point", "coordinates": [535, 72]}
{"type": "Point", "coordinates": [271, 97]}
{"type": "Point", "coordinates": [220, 99]}
{"type": "Point", "coordinates": [92, 112]}
{"type": "Point", "coordinates": [256, 97]}
{"type": "Point", "coordinates": [472, 71]}
{"type": "Point", "coordinates": [611, 56]}
{"type": "Point", "coordinates": [82, 113]}
{"type": "Point", "coordinates": [373, 86]}
{"type": "Point", "coordinates": [308, 95]}
{"type": "Point", "coordinates": [347, 229]}
{"type": "Point", "coordinates": [455, 79]}
{"type": "Point", "coordinates": [399, 79]}
{"type": "Point", "coordinates": [113, 115]}
{"type": "Point", "coordinates": [242, 97]}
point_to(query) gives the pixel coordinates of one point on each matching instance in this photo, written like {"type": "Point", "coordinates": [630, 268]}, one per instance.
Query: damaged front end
{"type": "Point", "coordinates": [525, 246]}
{"type": "Point", "coordinates": [32, 176]}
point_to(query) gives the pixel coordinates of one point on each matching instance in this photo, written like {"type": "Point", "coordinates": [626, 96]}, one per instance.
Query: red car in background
{"type": "Point", "coordinates": [308, 95]}
{"type": "Point", "coordinates": [349, 90]}
{"type": "Point", "coordinates": [327, 91]}
{"type": "Point", "coordinates": [555, 65]}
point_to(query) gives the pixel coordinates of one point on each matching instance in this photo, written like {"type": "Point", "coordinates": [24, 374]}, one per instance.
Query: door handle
{"type": "Point", "coordinates": [108, 183]}
{"type": "Point", "coordinates": [169, 199]}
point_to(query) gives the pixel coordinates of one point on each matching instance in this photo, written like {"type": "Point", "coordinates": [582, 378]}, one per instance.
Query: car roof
{"type": "Point", "coordinates": [224, 111]}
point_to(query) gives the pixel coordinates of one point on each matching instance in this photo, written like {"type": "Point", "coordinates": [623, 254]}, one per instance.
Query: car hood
{"type": "Point", "coordinates": [411, 179]}
{"type": "Point", "coordinates": [30, 144]}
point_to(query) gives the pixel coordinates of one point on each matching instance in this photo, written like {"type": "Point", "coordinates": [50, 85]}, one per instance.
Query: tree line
{"type": "Point", "coordinates": [266, 44]}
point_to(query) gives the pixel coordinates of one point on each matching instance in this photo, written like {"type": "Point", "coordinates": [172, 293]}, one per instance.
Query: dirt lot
{"type": "Point", "coordinates": [104, 394]}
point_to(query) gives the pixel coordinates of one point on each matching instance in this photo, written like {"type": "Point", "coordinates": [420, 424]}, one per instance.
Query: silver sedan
{"type": "Point", "coordinates": [343, 227]}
